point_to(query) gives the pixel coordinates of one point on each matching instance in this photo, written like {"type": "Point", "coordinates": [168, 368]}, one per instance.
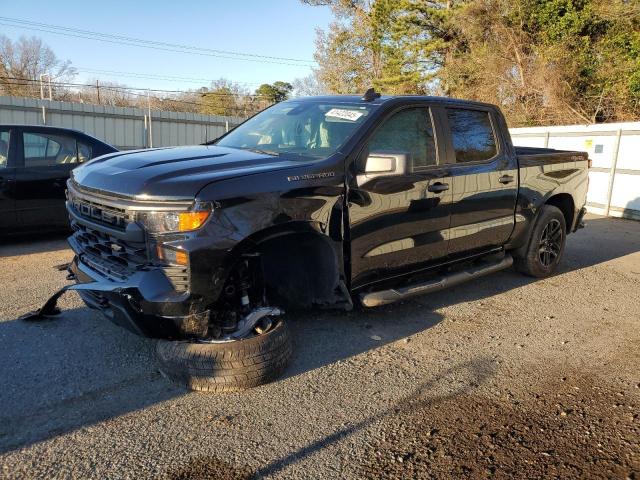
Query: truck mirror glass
{"type": "Point", "coordinates": [385, 164]}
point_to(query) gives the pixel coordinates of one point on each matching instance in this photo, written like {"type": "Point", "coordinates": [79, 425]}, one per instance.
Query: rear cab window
{"type": "Point", "coordinates": [44, 150]}
{"type": "Point", "coordinates": [472, 135]}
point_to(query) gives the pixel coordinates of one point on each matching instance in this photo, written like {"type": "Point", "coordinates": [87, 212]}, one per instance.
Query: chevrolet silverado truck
{"type": "Point", "coordinates": [321, 202]}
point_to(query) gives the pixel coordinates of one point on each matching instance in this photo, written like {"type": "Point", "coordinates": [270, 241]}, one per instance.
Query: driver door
{"type": "Point", "coordinates": [399, 220]}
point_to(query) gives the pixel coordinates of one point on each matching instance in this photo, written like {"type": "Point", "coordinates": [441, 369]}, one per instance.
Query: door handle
{"type": "Point", "coordinates": [506, 179]}
{"type": "Point", "coordinates": [438, 187]}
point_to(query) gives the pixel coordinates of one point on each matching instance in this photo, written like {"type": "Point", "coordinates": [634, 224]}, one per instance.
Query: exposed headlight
{"type": "Point", "coordinates": [175, 221]}
{"type": "Point", "coordinates": [172, 256]}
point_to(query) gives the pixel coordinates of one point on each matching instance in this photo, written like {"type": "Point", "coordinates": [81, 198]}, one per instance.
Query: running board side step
{"type": "Point", "coordinates": [384, 297]}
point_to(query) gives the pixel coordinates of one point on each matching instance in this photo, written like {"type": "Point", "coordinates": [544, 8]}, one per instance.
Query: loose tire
{"type": "Point", "coordinates": [226, 366]}
{"type": "Point", "coordinates": [542, 254]}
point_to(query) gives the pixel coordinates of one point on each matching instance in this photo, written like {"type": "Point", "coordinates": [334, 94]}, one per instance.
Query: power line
{"type": "Point", "coordinates": [154, 76]}
{"type": "Point", "coordinates": [26, 81]}
{"type": "Point", "coordinates": [155, 48]}
{"type": "Point", "coordinates": [154, 45]}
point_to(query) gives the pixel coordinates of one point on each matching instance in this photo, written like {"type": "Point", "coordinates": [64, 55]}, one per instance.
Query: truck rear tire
{"type": "Point", "coordinates": [226, 366]}
{"type": "Point", "coordinates": [541, 256]}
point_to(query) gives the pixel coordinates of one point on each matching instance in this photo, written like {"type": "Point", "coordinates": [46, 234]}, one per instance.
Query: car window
{"type": "Point", "coordinates": [472, 135]}
{"type": "Point", "coordinates": [4, 148]}
{"type": "Point", "coordinates": [43, 149]}
{"type": "Point", "coordinates": [410, 131]}
{"type": "Point", "coordinates": [84, 152]}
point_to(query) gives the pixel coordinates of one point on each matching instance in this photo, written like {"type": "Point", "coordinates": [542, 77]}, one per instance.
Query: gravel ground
{"type": "Point", "coordinates": [504, 377]}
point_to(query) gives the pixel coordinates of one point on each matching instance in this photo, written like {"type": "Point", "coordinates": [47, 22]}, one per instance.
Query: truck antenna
{"type": "Point", "coordinates": [370, 95]}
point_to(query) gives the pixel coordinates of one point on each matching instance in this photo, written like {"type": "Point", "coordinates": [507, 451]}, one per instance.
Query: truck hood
{"type": "Point", "coordinates": [177, 172]}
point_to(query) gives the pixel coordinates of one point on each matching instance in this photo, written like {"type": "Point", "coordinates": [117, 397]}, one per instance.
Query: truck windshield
{"type": "Point", "coordinates": [308, 129]}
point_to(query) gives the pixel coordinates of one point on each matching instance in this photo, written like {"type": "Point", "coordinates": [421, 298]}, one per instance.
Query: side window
{"type": "Point", "coordinates": [43, 149]}
{"type": "Point", "coordinates": [472, 135]}
{"type": "Point", "coordinates": [4, 148]}
{"type": "Point", "coordinates": [84, 152]}
{"type": "Point", "coordinates": [409, 130]}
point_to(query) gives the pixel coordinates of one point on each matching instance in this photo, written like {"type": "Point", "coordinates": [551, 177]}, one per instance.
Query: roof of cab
{"type": "Point", "coordinates": [388, 98]}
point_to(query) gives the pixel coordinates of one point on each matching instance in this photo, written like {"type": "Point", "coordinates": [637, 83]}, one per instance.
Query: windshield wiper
{"type": "Point", "coordinates": [264, 152]}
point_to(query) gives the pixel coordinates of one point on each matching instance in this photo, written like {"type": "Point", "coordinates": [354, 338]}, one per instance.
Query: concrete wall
{"type": "Point", "coordinates": [614, 179]}
{"type": "Point", "coordinates": [122, 127]}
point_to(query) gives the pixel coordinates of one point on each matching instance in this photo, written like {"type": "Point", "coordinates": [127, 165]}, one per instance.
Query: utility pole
{"type": "Point", "coordinates": [146, 133]}
{"type": "Point", "coordinates": [44, 111]}
{"type": "Point", "coordinates": [98, 90]}
{"type": "Point", "coordinates": [150, 129]}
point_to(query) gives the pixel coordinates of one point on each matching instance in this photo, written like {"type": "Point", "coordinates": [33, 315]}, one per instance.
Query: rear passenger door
{"type": "Point", "coordinates": [46, 162]}
{"type": "Point", "coordinates": [485, 180]}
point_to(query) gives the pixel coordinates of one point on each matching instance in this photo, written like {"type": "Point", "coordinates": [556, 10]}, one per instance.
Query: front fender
{"type": "Point", "coordinates": [239, 222]}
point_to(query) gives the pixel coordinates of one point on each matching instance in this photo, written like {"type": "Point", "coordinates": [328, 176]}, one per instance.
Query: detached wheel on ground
{"type": "Point", "coordinates": [227, 366]}
{"type": "Point", "coordinates": [541, 256]}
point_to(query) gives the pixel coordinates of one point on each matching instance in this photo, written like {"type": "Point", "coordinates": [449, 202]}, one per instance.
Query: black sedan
{"type": "Point", "coordinates": [35, 162]}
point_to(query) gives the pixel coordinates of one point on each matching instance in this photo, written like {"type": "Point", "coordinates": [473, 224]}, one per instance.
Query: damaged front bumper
{"type": "Point", "coordinates": [145, 303]}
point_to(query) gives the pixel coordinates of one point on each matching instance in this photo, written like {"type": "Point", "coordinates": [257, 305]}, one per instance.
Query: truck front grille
{"type": "Point", "coordinates": [99, 249]}
{"type": "Point", "coordinates": [108, 255]}
{"type": "Point", "coordinates": [118, 260]}
{"type": "Point", "coordinates": [101, 213]}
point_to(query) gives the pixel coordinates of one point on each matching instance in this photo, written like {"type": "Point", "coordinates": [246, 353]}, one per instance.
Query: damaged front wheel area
{"type": "Point", "coordinates": [227, 365]}
{"type": "Point", "coordinates": [246, 343]}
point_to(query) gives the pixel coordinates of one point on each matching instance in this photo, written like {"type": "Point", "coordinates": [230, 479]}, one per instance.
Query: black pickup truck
{"type": "Point", "coordinates": [315, 202]}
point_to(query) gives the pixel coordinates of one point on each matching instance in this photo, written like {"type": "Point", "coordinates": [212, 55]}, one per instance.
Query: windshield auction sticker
{"type": "Point", "coordinates": [351, 115]}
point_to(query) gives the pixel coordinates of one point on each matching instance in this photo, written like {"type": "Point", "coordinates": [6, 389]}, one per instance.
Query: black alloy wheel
{"type": "Point", "coordinates": [551, 243]}
{"type": "Point", "coordinates": [541, 255]}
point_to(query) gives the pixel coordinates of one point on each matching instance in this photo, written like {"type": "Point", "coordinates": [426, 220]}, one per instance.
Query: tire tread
{"type": "Point", "coordinates": [226, 367]}
{"type": "Point", "coordinates": [526, 258]}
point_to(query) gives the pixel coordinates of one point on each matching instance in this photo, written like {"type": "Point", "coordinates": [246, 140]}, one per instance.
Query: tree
{"type": "Point", "coordinates": [542, 61]}
{"type": "Point", "coordinates": [308, 86]}
{"type": "Point", "coordinates": [22, 62]}
{"type": "Point", "coordinates": [375, 44]}
{"type": "Point", "coordinates": [104, 93]}
{"type": "Point", "coordinates": [275, 92]}
{"type": "Point", "coordinates": [553, 61]}
{"type": "Point", "coordinates": [223, 98]}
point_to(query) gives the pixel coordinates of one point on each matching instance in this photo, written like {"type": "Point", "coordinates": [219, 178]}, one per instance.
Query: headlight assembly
{"type": "Point", "coordinates": [175, 221]}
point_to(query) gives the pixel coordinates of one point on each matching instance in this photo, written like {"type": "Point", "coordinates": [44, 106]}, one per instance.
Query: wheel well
{"type": "Point", "coordinates": [300, 270]}
{"type": "Point", "coordinates": [564, 202]}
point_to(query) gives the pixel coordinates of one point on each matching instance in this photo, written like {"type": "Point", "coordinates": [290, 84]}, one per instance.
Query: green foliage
{"type": "Point", "coordinates": [222, 98]}
{"type": "Point", "coordinates": [542, 61]}
{"type": "Point", "coordinates": [276, 92]}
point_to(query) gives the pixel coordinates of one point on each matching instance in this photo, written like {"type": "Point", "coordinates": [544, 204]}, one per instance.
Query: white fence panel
{"type": "Point", "coordinates": [614, 179]}
{"type": "Point", "coordinates": [122, 127]}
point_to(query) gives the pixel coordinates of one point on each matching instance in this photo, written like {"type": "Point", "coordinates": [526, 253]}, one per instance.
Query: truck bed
{"type": "Point", "coordinates": [548, 155]}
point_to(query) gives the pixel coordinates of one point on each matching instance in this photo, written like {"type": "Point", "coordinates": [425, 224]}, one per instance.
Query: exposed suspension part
{"type": "Point", "coordinates": [242, 307]}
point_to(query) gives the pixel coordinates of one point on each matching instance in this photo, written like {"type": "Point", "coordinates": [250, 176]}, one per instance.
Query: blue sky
{"type": "Point", "coordinates": [283, 28]}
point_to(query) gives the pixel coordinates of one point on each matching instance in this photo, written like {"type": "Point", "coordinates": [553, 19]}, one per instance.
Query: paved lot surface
{"type": "Point", "coordinates": [503, 377]}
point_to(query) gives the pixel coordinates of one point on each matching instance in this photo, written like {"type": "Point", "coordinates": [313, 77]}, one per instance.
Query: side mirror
{"type": "Point", "coordinates": [384, 164]}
